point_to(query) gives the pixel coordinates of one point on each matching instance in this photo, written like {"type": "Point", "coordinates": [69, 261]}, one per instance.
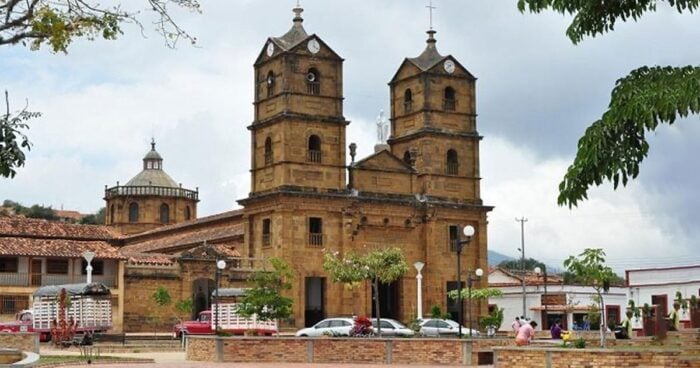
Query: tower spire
{"type": "Point", "coordinates": [297, 13]}
{"type": "Point", "coordinates": [153, 144]}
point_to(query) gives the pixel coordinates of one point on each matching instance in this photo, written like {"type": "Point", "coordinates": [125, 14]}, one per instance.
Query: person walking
{"type": "Point", "coordinates": [516, 324]}
{"type": "Point", "coordinates": [626, 325]}
{"type": "Point", "coordinates": [675, 318]}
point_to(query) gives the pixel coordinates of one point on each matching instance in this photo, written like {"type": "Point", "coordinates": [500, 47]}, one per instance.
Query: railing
{"type": "Point", "coordinates": [313, 88]}
{"type": "Point", "coordinates": [449, 104]}
{"type": "Point", "coordinates": [314, 156]}
{"type": "Point", "coordinates": [315, 240]}
{"type": "Point", "coordinates": [265, 240]}
{"type": "Point", "coordinates": [407, 106]}
{"type": "Point", "coordinates": [42, 279]}
{"type": "Point", "coordinates": [452, 168]}
{"type": "Point", "coordinates": [151, 191]}
{"type": "Point", "coordinates": [11, 304]}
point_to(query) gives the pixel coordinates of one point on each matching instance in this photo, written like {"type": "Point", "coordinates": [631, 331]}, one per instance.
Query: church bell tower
{"type": "Point", "coordinates": [298, 135]}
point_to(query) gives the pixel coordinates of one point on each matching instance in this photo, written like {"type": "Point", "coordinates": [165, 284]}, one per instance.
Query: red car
{"type": "Point", "coordinates": [200, 326]}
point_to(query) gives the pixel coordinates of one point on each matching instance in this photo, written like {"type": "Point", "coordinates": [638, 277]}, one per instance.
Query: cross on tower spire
{"type": "Point", "coordinates": [431, 8]}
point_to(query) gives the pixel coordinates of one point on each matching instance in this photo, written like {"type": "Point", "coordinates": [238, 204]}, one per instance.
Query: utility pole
{"type": "Point", "coordinates": [522, 222]}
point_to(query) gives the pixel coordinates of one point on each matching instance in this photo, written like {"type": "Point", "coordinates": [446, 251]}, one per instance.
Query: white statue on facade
{"type": "Point", "coordinates": [382, 128]}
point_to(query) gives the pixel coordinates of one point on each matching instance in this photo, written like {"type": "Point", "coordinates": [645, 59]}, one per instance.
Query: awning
{"type": "Point", "coordinates": [561, 308]}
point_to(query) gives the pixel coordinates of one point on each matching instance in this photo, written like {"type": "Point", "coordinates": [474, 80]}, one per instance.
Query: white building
{"type": "Point", "coordinates": [568, 303]}
{"type": "Point", "coordinates": [658, 286]}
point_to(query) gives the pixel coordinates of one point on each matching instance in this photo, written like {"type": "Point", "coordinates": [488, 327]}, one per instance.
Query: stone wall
{"type": "Point", "coordinates": [342, 350]}
{"type": "Point", "coordinates": [536, 357]}
{"type": "Point", "coordinates": [25, 341]}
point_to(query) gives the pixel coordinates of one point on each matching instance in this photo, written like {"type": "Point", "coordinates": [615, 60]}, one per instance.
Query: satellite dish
{"type": "Point", "coordinates": [311, 77]}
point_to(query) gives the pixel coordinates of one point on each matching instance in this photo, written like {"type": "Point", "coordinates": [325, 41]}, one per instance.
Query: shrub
{"type": "Point", "coordinates": [361, 327]}
{"type": "Point", "coordinates": [580, 343]}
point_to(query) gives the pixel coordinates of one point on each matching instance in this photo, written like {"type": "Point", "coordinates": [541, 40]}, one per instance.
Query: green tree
{"type": "Point", "coordinates": [590, 268]}
{"type": "Point", "coordinates": [614, 146]}
{"type": "Point", "coordinates": [13, 141]}
{"type": "Point", "coordinates": [381, 265]}
{"type": "Point", "coordinates": [514, 264]}
{"type": "Point", "coordinates": [94, 219]}
{"type": "Point", "coordinates": [56, 23]}
{"type": "Point", "coordinates": [162, 299]}
{"type": "Point", "coordinates": [265, 298]}
{"type": "Point", "coordinates": [183, 309]}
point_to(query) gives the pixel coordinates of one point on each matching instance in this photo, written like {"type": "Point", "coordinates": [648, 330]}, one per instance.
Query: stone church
{"type": "Point", "coordinates": [416, 192]}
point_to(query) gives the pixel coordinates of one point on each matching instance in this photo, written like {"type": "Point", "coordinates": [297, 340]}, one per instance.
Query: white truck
{"type": "Point", "coordinates": [89, 310]}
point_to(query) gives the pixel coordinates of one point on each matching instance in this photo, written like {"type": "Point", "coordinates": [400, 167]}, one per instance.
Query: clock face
{"type": "Point", "coordinates": [270, 49]}
{"type": "Point", "coordinates": [449, 66]}
{"type": "Point", "coordinates": [314, 46]}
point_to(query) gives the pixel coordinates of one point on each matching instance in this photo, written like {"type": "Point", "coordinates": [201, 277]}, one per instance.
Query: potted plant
{"type": "Point", "coordinates": [694, 311]}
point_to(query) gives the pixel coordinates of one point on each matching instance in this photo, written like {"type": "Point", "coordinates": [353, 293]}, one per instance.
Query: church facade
{"type": "Point", "coordinates": [416, 192]}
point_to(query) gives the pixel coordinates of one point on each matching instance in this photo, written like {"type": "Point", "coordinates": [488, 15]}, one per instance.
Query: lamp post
{"type": "Point", "coordinates": [88, 255]}
{"type": "Point", "coordinates": [220, 266]}
{"type": "Point", "coordinates": [470, 279]}
{"type": "Point", "coordinates": [522, 222]}
{"type": "Point", "coordinates": [468, 232]}
{"type": "Point", "coordinates": [543, 271]}
{"type": "Point", "coordinates": [419, 294]}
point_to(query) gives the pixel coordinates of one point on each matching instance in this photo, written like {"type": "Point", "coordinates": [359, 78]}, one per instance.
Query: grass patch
{"type": "Point", "coordinates": [54, 359]}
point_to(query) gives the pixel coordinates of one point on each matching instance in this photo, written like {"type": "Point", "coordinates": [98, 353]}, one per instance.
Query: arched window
{"type": "Point", "coordinates": [188, 214]}
{"type": "Point", "coordinates": [450, 101]}
{"type": "Point", "coordinates": [268, 151]}
{"type": "Point", "coordinates": [111, 214]}
{"type": "Point", "coordinates": [407, 157]}
{"type": "Point", "coordinates": [313, 82]}
{"type": "Point", "coordinates": [134, 212]}
{"type": "Point", "coordinates": [314, 154]}
{"type": "Point", "coordinates": [452, 167]}
{"type": "Point", "coordinates": [164, 213]}
{"type": "Point", "coordinates": [270, 82]}
{"type": "Point", "coordinates": [408, 101]}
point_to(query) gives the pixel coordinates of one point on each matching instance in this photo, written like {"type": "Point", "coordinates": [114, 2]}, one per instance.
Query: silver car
{"type": "Point", "coordinates": [329, 326]}
{"type": "Point", "coordinates": [392, 327]}
{"type": "Point", "coordinates": [441, 327]}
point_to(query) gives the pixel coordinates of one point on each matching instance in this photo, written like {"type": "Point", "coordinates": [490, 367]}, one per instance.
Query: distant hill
{"type": "Point", "coordinates": [495, 258]}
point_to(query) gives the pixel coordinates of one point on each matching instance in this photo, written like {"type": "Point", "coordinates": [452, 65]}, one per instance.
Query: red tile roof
{"type": "Point", "coordinates": [16, 226]}
{"type": "Point", "coordinates": [202, 221]}
{"type": "Point", "coordinates": [150, 259]}
{"type": "Point", "coordinates": [178, 241]}
{"type": "Point", "coordinates": [74, 215]}
{"type": "Point", "coordinates": [33, 247]}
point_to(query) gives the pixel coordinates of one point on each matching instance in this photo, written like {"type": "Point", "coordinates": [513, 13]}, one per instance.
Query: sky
{"type": "Point", "coordinates": [536, 94]}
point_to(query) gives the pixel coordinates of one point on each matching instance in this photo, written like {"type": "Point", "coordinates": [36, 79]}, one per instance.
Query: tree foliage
{"type": "Point", "coordinates": [56, 23]}
{"type": "Point", "coordinates": [265, 298]}
{"type": "Point", "coordinates": [384, 265]}
{"type": "Point", "coordinates": [13, 141]}
{"type": "Point", "coordinates": [35, 211]}
{"type": "Point", "coordinates": [161, 297]}
{"type": "Point", "coordinates": [477, 294]}
{"type": "Point", "coordinates": [590, 268]}
{"type": "Point", "coordinates": [514, 264]}
{"type": "Point", "coordinates": [614, 146]}
{"type": "Point", "coordinates": [94, 219]}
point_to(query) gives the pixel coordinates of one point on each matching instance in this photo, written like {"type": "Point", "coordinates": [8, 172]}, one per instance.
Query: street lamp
{"type": "Point", "coordinates": [88, 255]}
{"type": "Point", "coordinates": [543, 271]}
{"type": "Point", "coordinates": [468, 232]}
{"type": "Point", "coordinates": [419, 266]}
{"type": "Point", "coordinates": [470, 279]}
{"type": "Point", "coordinates": [220, 266]}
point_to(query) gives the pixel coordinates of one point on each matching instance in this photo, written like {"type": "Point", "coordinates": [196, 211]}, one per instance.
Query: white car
{"type": "Point", "coordinates": [332, 326]}
{"type": "Point", "coordinates": [441, 327]}
{"type": "Point", "coordinates": [392, 327]}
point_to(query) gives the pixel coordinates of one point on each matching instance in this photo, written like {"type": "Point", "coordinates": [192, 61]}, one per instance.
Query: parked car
{"type": "Point", "coordinates": [392, 327]}
{"type": "Point", "coordinates": [334, 326]}
{"type": "Point", "coordinates": [441, 327]}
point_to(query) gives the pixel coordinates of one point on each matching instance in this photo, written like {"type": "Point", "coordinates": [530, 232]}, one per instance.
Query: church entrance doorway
{"type": "Point", "coordinates": [314, 308]}
{"type": "Point", "coordinates": [388, 300]}
{"type": "Point", "coordinates": [201, 295]}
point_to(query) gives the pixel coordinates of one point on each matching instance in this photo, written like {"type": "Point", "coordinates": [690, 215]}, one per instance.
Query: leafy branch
{"type": "Point", "coordinates": [13, 141]}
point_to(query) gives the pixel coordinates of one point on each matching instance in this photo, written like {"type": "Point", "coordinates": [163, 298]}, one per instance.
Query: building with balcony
{"type": "Point", "coordinates": [149, 200]}
{"type": "Point", "coordinates": [36, 253]}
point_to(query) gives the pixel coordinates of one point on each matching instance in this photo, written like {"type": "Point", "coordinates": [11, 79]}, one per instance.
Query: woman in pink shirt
{"type": "Point", "coordinates": [525, 333]}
